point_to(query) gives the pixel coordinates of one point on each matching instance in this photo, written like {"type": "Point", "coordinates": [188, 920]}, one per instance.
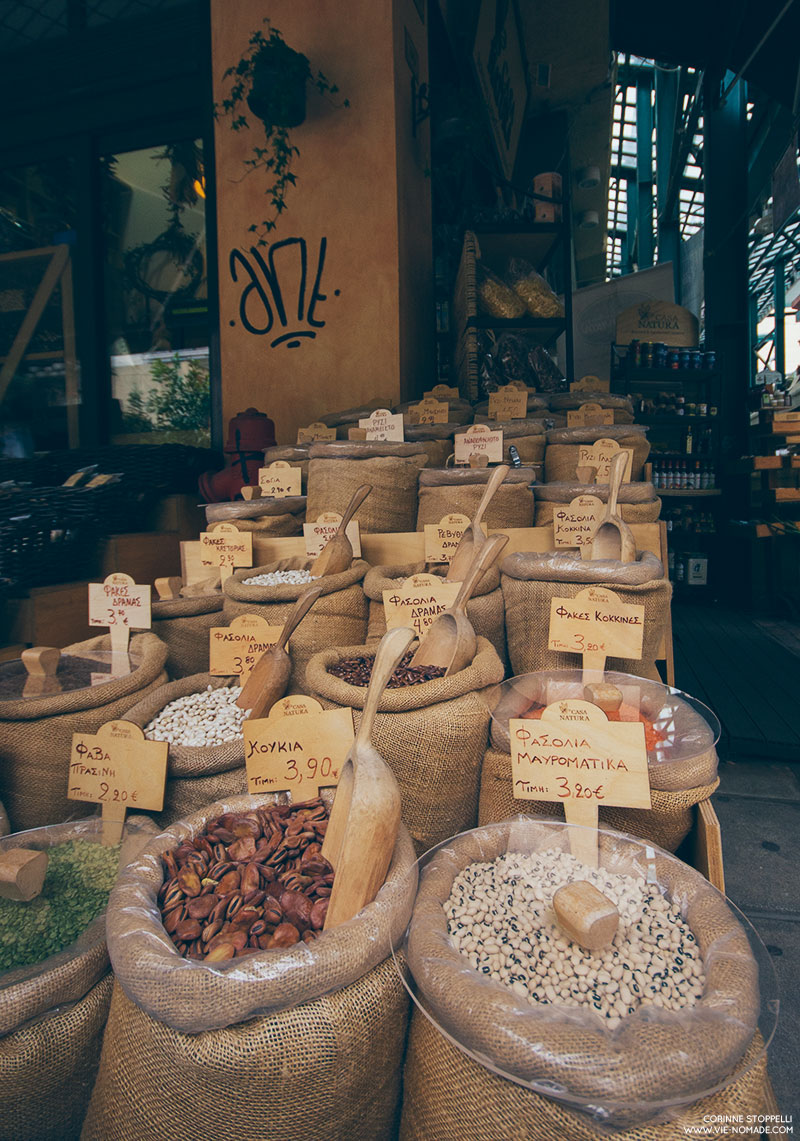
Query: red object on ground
{"type": "Point", "coordinates": [249, 433]}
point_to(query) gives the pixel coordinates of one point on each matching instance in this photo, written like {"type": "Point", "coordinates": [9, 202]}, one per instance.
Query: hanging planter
{"type": "Point", "coordinates": [272, 80]}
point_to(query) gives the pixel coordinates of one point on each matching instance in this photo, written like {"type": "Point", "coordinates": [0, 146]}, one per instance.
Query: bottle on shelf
{"type": "Point", "coordinates": [689, 441]}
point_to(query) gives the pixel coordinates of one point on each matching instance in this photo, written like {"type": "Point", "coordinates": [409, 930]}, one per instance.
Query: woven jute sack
{"type": "Point", "coordinates": [279, 1045]}
{"type": "Point", "coordinates": [349, 417]}
{"type": "Point", "coordinates": [337, 470]}
{"type": "Point", "coordinates": [667, 822]}
{"type": "Point", "coordinates": [529, 437]}
{"type": "Point", "coordinates": [52, 1015]}
{"type": "Point", "coordinates": [484, 610]}
{"type": "Point", "coordinates": [459, 491]}
{"type": "Point", "coordinates": [636, 502]}
{"type": "Point", "coordinates": [337, 618]}
{"type": "Point", "coordinates": [529, 581]}
{"type": "Point", "coordinates": [36, 735]}
{"type": "Point", "coordinates": [449, 1097]}
{"type": "Point", "coordinates": [458, 411]}
{"type": "Point", "coordinates": [623, 1076]}
{"type": "Point", "coordinates": [183, 624]}
{"type": "Point", "coordinates": [436, 439]}
{"type": "Point", "coordinates": [571, 401]}
{"type": "Point", "coordinates": [196, 775]}
{"type": "Point", "coordinates": [270, 526]}
{"type": "Point", "coordinates": [433, 737]}
{"type": "Point", "coordinates": [563, 448]}
{"type": "Point", "coordinates": [296, 455]}
{"type": "Point", "coordinates": [537, 406]}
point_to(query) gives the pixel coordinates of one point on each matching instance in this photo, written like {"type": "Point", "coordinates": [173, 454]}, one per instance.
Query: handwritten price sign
{"type": "Point", "coordinates": [509, 403]}
{"type": "Point", "coordinates": [235, 649]}
{"type": "Point", "coordinates": [317, 535]}
{"type": "Point", "coordinates": [442, 538]}
{"type": "Point", "coordinates": [314, 432]}
{"type": "Point", "coordinates": [121, 605]}
{"type": "Point", "coordinates": [596, 621]}
{"type": "Point", "coordinates": [227, 548]}
{"type": "Point", "coordinates": [118, 769]}
{"type": "Point", "coordinates": [296, 750]}
{"type": "Point", "coordinates": [383, 425]}
{"type": "Point", "coordinates": [419, 602]}
{"type": "Point", "coordinates": [280, 480]}
{"type": "Point", "coordinates": [574, 524]}
{"type": "Point", "coordinates": [479, 440]}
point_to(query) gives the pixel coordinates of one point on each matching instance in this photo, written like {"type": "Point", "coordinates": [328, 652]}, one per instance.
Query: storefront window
{"type": "Point", "coordinates": [157, 294]}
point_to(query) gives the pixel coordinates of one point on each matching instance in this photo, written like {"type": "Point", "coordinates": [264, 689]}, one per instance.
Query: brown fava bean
{"type": "Point", "coordinates": [286, 935]}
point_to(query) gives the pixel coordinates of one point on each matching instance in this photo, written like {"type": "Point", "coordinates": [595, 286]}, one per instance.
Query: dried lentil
{"type": "Point", "coordinates": [80, 876]}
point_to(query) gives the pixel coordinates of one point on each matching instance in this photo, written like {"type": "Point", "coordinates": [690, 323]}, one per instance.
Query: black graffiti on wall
{"type": "Point", "coordinates": [266, 305]}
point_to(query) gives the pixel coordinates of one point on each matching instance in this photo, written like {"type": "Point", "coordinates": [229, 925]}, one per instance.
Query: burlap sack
{"type": "Point", "coordinates": [571, 401]}
{"type": "Point", "coordinates": [296, 455]}
{"type": "Point", "coordinates": [449, 1097]}
{"type": "Point", "coordinates": [636, 502]}
{"type": "Point", "coordinates": [52, 1015]}
{"type": "Point", "coordinates": [563, 448]}
{"type": "Point", "coordinates": [529, 581]}
{"type": "Point", "coordinates": [432, 736]}
{"type": "Point", "coordinates": [666, 823]}
{"type": "Point", "coordinates": [484, 610]}
{"type": "Point", "coordinates": [337, 618]}
{"type": "Point", "coordinates": [36, 735]}
{"type": "Point", "coordinates": [537, 406]}
{"type": "Point", "coordinates": [458, 412]}
{"type": "Point", "coordinates": [281, 1045]}
{"type": "Point", "coordinates": [460, 490]}
{"type": "Point", "coordinates": [183, 624]}
{"type": "Point", "coordinates": [529, 437]}
{"type": "Point", "coordinates": [436, 439]}
{"type": "Point", "coordinates": [337, 470]}
{"type": "Point", "coordinates": [349, 417]}
{"type": "Point", "coordinates": [622, 1076]}
{"type": "Point", "coordinates": [270, 526]}
{"type": "Point", "coordinates": [195, 775]}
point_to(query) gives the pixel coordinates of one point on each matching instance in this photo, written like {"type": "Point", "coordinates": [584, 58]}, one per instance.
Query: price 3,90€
{"type": "Point", "coordinates": [311, 769]}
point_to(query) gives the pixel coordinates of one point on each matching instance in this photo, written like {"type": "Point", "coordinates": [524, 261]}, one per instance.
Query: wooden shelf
{"type": "Point", "coordinates": [702, 493]}
{"type": "Point", "coordinates": [547, 329]}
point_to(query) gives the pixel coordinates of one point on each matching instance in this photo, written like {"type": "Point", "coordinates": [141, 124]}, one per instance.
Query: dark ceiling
{"type": "Point", "coordinates": [717, 37]}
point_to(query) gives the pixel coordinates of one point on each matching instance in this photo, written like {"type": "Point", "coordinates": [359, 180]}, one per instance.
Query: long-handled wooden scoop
{"type": "Point", "coordinates": [362, 829]}
{"type": "Point", "coordinates": [613, 538]}
{"type": "Point", "coordinates": [270, 675]}
{"type": "Point", "coordinates": [337, 554]}
{"type": "Point", "coordinates": [451, 640]}
{"type": "Point", "coordinates": [475, 536]}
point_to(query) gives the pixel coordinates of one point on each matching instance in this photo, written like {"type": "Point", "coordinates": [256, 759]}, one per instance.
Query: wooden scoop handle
{"type": "Point", "coordinates": [305, 601]}
{"type": "Point", "coordinates": [391, 649]}
{"type": "Point", "coordinates": [358, 497]}
{"type": "Point", "coordinates": [41, 661]}
{"type": "Point", "coordinates": [615, 474]}
{"type": "Point", "coordinates": [494, 481]}
{"type": "Point", "coordinates": [485, 557]}
{"type": "Point", "coordinates": [169, 588]}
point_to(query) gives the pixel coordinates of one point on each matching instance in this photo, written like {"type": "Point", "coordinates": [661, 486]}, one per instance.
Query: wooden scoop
{"type": "Point", "coordinates": [362, 829]}
{"type": "Point", "coordinates": [475, 536]}
{"type": "Point", "coordinates": [613, 538]}
{"type": "Point", "coordinates": [451, 640]}
{"type": "Point", "coordinates": [270, 675]}
{"type": "Point", "coordinates": [337, 555]}
{"type": "Point", "coordinates": [41, 662]}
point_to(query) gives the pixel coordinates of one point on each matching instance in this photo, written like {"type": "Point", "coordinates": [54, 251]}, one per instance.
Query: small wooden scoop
{"type": "Point", "coordinates": [270, 675]}
{"type": "Point", "coordinates": [169, 588]}
{"type": "Point", "coordinates": [41, 662]}
{"type": "Point", "coordinates": [22, 872]}
{"type": "Point", "coordinates": [475, 536]}
{"type": "Point", "coordinates": [365, 817]}
{"type": "Point", "coordinates": [613, 538]}
{"type": "Point", "coordinates": [337, 555]}
{"type": "Point", "coordinates": [451, 640]}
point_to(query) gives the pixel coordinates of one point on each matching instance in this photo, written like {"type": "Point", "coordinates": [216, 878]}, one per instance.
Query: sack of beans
{"type": "Point", "coordinates": [662, 1013]}
{"type": "Point", "coordinates": [460, 490]}
{"type": "Point", "coordinates": [55, 985]}
{"type": "Point", "coordinates": [458, 412]}
{"type": "Point", "coordinates": [636, 502]}
{"type": "Point", "coordinates": [268, 518]}
{"type": "Point", "coordinates": [261, 1033]}
{"type": "Point", "coordinates": [296, 455]}
{"type": "Point", "coordinates": [183, 624]}
{"type": "Point", "coordinates": [200, 719]}
{"type": "Point", "coordinates": [484, 609]}
{"type": "Point", "coordinates": [436, 439]}
{"type": "Point", "coordinates": [564, 445]}
{"type": "Point", "coordinates": [337, 470]}
{"type": "Point", "coordinates": [431, 733]}
{"type": "Point", "coordinates": [337, 618]}
{"type": "Point", "coordinates": [571, 401]}
{"type": "Point", "coordinates": [529, 581]}
{"type": "Point", "coordinates": [36, 732]}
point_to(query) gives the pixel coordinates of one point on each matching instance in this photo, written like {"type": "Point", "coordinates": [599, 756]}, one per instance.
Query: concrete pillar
{"type": "Point", "coordinates": [351, 258]}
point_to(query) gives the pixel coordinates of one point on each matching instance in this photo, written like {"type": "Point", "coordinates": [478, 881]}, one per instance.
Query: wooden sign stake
{"type": "Point", "coordinates": [119, 604]}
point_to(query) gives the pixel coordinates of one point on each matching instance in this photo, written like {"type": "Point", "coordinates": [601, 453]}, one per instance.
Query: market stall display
{"type": "Point", "coordinates": [444, 491]}
{"type": "Point", "coordinates": [337, 470]}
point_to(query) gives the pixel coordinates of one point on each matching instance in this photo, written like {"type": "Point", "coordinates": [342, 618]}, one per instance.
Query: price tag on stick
{"type": "Point", "coordinates": [442, 538]}
{"type": "Point", "coordinates": [299, 751]}
{"type": "Point", "coordinates": [318, 535]}
{"type": "Point", "coordinates": [588, 415]}
{"type": "Point", "coordinates": [575, 523]}
{"type": "Point", "coordinates": [597, 624]}
{"type": "Point", "coordinates": [419, 601]}
{"type": "Point", "coordinates": [227, 547]}
{"type": "Point", "coordinates": [118, 603]}
{"type": "Point", "coordinates": [314, 432]}
{"type": "Point", "coordinates": [508, 403]}
{"type": "Point", "coordinates": [479, 440]}
{"type": "Point", "coordinates": [118, 769]}
{"type": "Point", "coordinates": [280, 480]}
{"type": "Point", "coordinates": [383, 425]}
{"type": "Point", "coordinates": [575, 756]}
{"type": "Point", "coordinates": [235, 649]}
{"type": "Point", "coordinates": [594, 461]}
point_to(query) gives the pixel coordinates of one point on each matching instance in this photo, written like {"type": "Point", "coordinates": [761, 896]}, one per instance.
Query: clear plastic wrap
{"type": "Point", "coordinates": [684, 732]}
{"type": "Point", "coordinates": [531, 287]}
{"type": "Point", "coordinates": [193, 996]}
{"type": "Point", "coordinates": [28, 993]}
{"type": "Point", "coordinates": [653, 1062]}
{"type": "Point", "coordinates": [496, 297]}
